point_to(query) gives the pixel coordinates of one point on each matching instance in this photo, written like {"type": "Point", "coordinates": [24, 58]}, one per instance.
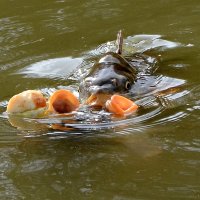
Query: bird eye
{"type": "Point", "coordinates": [128, 85]}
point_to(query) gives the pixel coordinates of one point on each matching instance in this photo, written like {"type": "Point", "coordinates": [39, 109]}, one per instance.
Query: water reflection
{"type": "Point", "coordinates": [13, 34]}
{"type": "Point", "coordinates": [84, 166]}
{"type": "Point", "coordinates": [60, 68]}
{"type": "Point", "coordinates": [61, 164]}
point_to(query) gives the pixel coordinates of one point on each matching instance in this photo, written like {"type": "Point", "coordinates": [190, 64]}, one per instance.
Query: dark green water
{"type": "Point", "coordinates": [157, 158]}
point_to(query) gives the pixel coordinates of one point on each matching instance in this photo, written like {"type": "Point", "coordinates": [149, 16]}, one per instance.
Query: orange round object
{"type": "Point", "coordinates": [121, 105]}
{"type": "Point", "coordinates": [63, 101]}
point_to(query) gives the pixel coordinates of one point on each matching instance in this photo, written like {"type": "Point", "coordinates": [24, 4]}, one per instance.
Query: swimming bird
{"type": "Point", "coordinates": [112, 74]}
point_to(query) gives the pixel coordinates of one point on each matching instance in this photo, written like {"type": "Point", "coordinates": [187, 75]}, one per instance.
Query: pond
{"type": "Point", "coordinates": [153, 154]}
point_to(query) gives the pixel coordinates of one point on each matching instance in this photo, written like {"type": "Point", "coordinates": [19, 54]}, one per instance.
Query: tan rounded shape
{"type": "Point", "coordinates": [25, 101]}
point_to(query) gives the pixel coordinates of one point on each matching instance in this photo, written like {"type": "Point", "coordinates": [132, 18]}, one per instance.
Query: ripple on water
{"type": "Point", "coordinates": [157, 95]}
{"type": "Point", "coordinates": [53, 68]}
{"type": "Point", "coordinates": [137, 44]}
{"type": "Point", "coordinates": [8, 188]}
{"type": "Point", "coordinates": [151, 111]}
{"type": "Point", "coordinates": [36, 165]}
{"type": "Point", "coordinates": [14, 34]}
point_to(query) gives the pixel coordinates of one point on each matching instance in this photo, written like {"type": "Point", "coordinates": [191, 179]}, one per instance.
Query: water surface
{"type": "Point", "coordinates": [154, 155]}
